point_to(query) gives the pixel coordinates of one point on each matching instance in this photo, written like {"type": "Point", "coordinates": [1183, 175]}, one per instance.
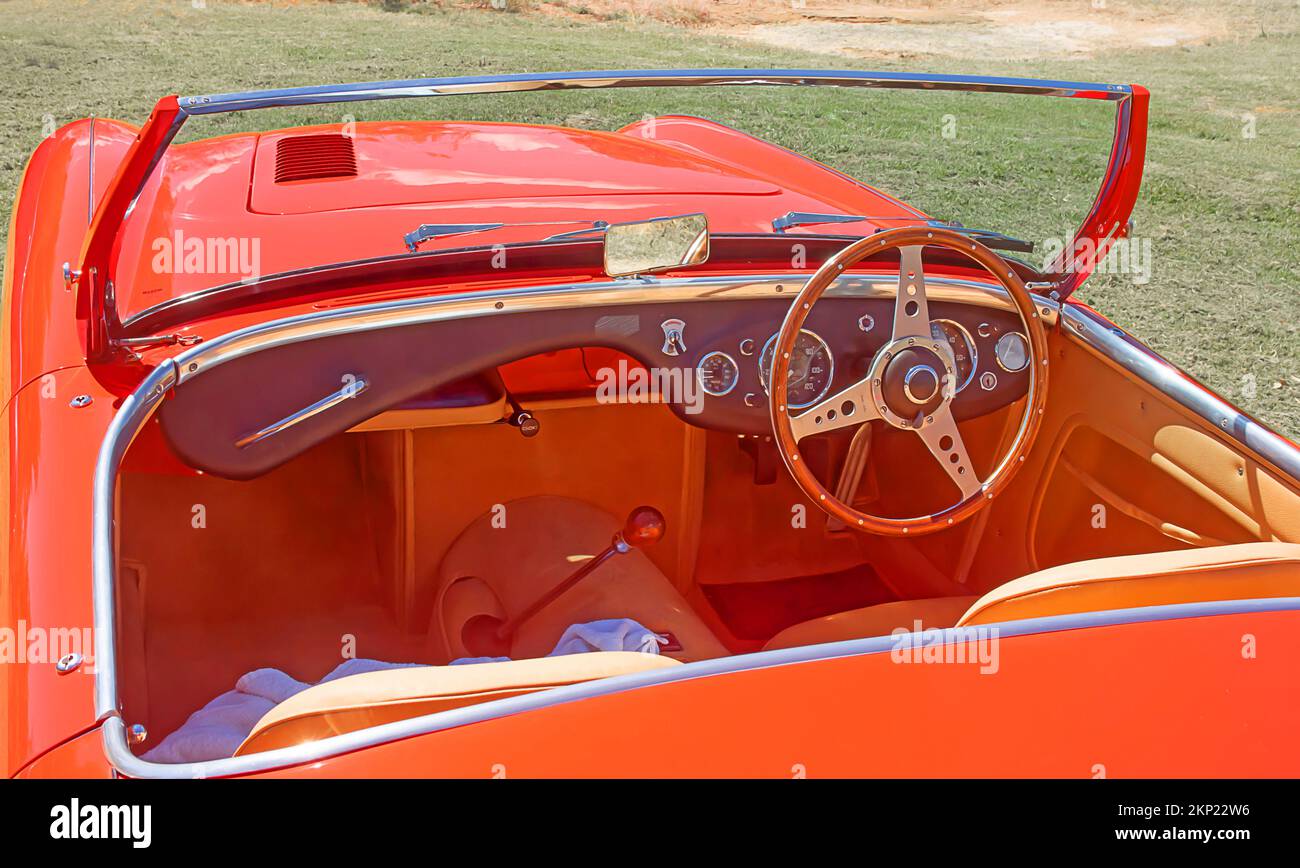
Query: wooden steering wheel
{"type": "Point", "coordinates": [910, 384]}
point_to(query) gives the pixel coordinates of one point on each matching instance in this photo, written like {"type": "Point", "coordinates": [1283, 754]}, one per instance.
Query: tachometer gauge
{"type": "Point", "coordinates": [963, 348]}
{"type": "Point", "coordinates": [811, 367]}
{"type": "Point", "coordinates": [717, 373]}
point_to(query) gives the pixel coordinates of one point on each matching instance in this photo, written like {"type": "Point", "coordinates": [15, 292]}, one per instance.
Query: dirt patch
{"type": "Point", "coordinates": [983, 29]}
{"type": "Point", "coordinates": [1034, 29]}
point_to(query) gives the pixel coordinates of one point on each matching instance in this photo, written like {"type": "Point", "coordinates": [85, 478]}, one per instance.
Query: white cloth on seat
{"type": "Point", "coordinates": [217, 729]}
{"type": "Point", "coordinates": [613, 634]}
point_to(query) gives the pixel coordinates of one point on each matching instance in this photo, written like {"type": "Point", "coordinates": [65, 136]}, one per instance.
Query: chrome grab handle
{"type": "Point", "coordinates": [351, 390]}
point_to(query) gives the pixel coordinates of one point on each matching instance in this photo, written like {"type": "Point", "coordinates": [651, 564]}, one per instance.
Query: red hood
{"type": "Point", "coordinates": [235, 192]}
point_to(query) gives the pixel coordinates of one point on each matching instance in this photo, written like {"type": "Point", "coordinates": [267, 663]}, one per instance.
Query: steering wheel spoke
{"type": "Point", "coordinates": [911, 309]}
{"type": "Point", "coordinates": [851, 406]}
{"type": "Point", "coordinates": [944, 441]}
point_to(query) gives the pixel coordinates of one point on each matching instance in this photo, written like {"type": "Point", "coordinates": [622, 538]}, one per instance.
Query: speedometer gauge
{"type": "Point", "coordinates": [717, 373]}
{"type": "Point", "coordinates": [811, 367]}
{"type": "Point", "coordinates": [963, 348]}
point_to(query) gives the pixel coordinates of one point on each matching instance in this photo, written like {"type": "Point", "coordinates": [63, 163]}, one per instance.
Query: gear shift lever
{"type": "Point", "coordinates": [644, 527]}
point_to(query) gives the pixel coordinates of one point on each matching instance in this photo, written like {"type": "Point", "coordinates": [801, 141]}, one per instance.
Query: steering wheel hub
{"type": "Point", "coordinates": [910, 379]}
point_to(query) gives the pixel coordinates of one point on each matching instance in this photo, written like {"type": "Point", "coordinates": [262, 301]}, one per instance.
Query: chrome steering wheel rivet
{"type": "Point", "coordinates": [81, 401]}
{"type": "Point", "coordinates": [69, 662]}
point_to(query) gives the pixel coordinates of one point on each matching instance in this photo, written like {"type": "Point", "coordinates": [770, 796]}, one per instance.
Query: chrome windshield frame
{"type": "Point", "coordinates": [538, 81]}
{"type": "Point", "coordinates": [96, 308]}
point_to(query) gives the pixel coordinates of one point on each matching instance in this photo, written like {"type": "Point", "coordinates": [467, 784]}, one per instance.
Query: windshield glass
{"type": "Point", "coordinates": [286, 189]}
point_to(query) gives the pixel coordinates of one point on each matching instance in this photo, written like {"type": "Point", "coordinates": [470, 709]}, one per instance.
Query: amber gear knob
{"type": "Point", "coordinates": [645, 526]}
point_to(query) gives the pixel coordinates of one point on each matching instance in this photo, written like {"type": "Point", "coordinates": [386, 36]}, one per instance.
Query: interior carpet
{"type": "Point", "coordinates": [760, 610]}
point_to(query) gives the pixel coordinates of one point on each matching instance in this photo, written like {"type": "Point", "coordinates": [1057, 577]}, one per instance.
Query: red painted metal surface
{"type": "Point", "coordinates": [49, 450]}
{"type": "Point", "coordinates": [1172, 698]}
{"type": "Point", "coordinates": [1108, 218]}
{"type": "Point", "coordinates": [81, 757]}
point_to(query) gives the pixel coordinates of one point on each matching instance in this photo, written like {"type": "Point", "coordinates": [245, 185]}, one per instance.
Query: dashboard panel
{"type": "Point", "coordinates": [729, 348]}
{"type": "Point", "coordinates": [706, 339]}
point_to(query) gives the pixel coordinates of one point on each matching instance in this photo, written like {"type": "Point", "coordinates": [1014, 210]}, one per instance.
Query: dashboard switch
{"type": "Point", "coordinates": [674, 337]}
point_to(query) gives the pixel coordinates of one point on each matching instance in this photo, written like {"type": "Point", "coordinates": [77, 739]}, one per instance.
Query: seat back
{"type": "Point", "coordinates": [374, 698]}
{"type": "Point", "coordinates": [1233, 572]}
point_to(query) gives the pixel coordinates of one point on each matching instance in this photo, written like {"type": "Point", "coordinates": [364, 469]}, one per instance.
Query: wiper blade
{"type": "Point", "coordinates": [987, 237]}
{"type": "Point", "coordinates": [597, 226]}
{"type": "Point", "coordinates": [427, 231]}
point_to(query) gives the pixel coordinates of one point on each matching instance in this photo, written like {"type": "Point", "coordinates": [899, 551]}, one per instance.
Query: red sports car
{"type": "Point", "coordinates": [456, 448]}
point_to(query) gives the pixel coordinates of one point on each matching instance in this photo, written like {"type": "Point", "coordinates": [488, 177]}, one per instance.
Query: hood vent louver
{"type": "Point", "coordinates": [324, 155]}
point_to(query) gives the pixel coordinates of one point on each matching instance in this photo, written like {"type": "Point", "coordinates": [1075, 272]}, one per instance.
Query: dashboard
{"type": "Point", "coordinates": [716, 343]}
{"type": "Point", "coordinates": [730, 346]}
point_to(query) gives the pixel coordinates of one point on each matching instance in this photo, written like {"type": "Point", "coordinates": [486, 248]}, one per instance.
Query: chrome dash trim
{"type": "Point", "coordinates": [136, 409]}
{"type": "Point", "coordinates": [115, 733]}
{"type": "Point", "coordinates": [351, 390]}
{"type": "Point", "coordinates": [649, 290]}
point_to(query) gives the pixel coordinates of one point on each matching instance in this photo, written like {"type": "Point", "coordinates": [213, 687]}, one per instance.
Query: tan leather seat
{"type": "Point", "coordinates": [1234, 572]}
{"type": "Point", "coordinates": [880, 620]}
{"type": "Point", "coordinates": [375, 698]}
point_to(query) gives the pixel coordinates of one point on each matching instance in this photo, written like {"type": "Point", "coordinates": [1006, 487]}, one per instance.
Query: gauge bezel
{"type": "Point", "coordinates": [971, 348]}
{"type": "Point", "coordinates": [997, 356]}
{"type": "Point", "coordinates": [830, 378]}
{"type": "Point", "coordinates": [735, 379]}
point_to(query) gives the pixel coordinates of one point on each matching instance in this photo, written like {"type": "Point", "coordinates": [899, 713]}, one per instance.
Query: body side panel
{"type": "Point", "coordinates": [1186, 697]}
{"type": "Point", "coordinates": [49, 450]}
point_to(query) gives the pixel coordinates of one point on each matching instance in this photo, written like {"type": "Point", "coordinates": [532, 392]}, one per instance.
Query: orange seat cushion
{"type": "Point", "coordinates": [375, 698]}
{"type": "Point", "coordinates": [1236, 572]}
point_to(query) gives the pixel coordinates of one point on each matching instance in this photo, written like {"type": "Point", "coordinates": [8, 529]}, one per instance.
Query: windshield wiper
{"type": "Point", "coordinates": [426, 231]}
{"type": "Point", "coordinates": [989, 237]}
{"type": "Point", "coordinates": [809, 218]}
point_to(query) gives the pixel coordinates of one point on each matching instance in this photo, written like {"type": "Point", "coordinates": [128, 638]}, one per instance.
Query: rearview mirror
{"type": "Point", "coordinates": [661, 244]}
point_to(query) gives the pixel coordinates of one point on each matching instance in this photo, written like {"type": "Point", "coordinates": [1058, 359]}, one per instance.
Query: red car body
{"type": "Point", "coordinates": [88, 318]}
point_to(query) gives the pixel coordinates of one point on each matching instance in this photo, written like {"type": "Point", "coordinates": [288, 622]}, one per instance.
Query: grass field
{"type": "Point", "coordinates": [1221, 201]}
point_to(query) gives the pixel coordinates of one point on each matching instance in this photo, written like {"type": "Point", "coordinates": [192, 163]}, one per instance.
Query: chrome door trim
{"type": "Point", "coordinates": [1113, 342]}
{"type": "Point", "coordinates": [1078, 323]}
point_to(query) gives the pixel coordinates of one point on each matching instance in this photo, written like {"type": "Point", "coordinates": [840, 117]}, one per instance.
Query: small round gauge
{"type": "Point", "coordinates": [811, 368]}
{"type": "Point", "coordinates": [717, 373]}
{"type": "Point", "coordinates": [963, 348]}
{"type": "Point", "coordinates": [1012, 352]}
